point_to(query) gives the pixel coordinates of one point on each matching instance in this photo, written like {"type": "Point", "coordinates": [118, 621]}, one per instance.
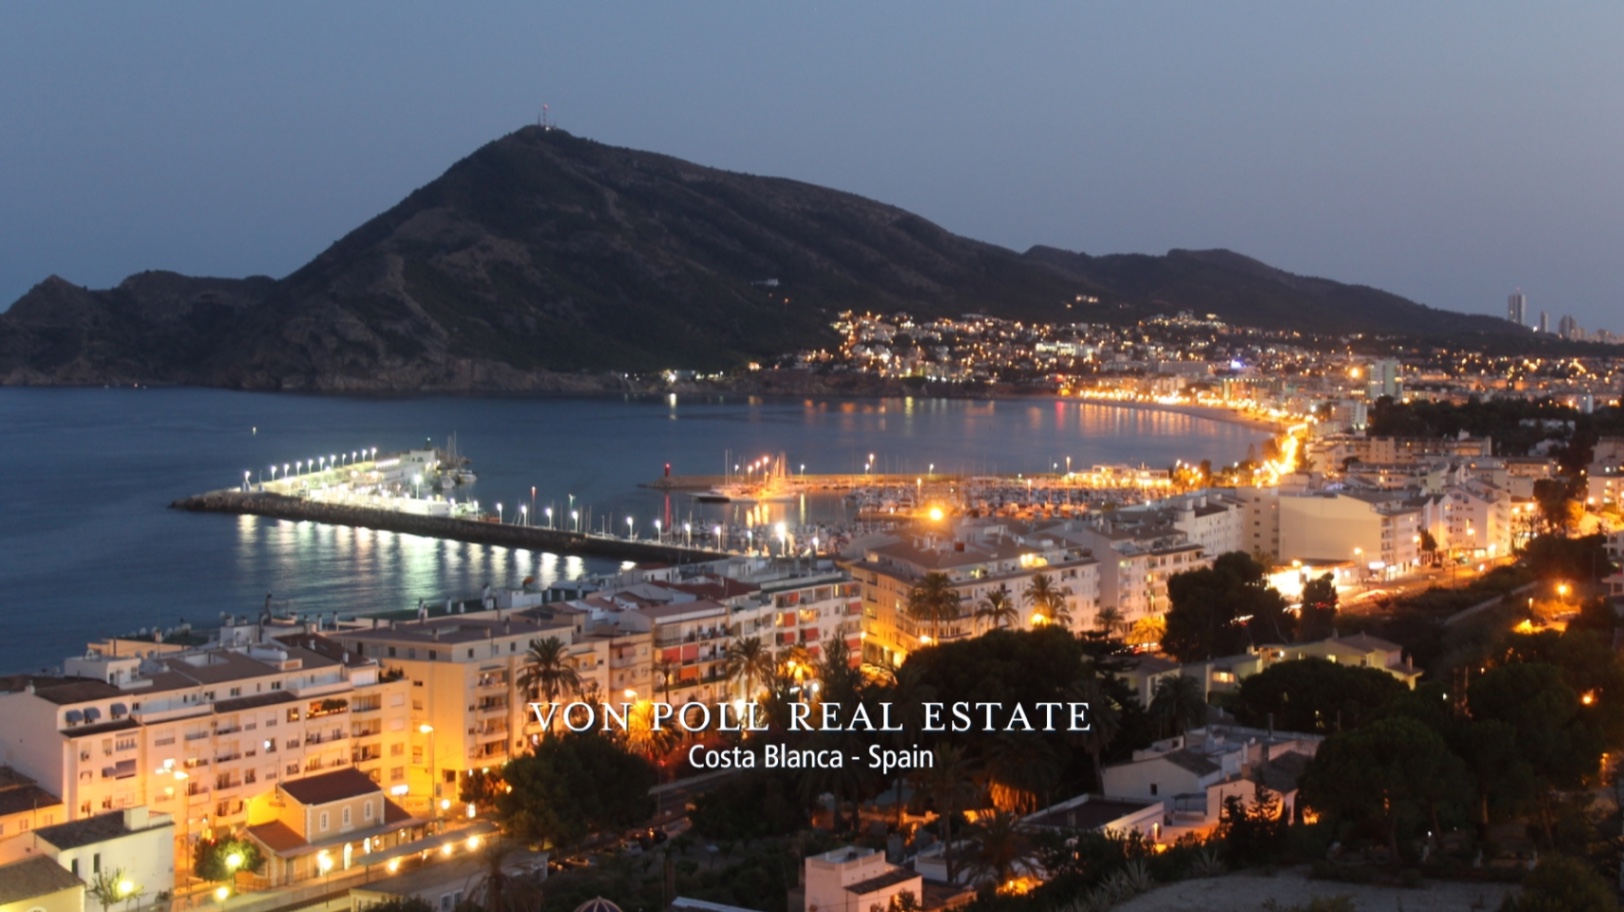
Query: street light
{"type": "Point", "coordinates": [629, 527]}
{"type": "Point", "coordinates": [524, 515]}
{"type": "Point", "coordinates": [575, 518]}
{"type": "Point", "coordinates": [498, 514]}
{"type": "Point", "coordinates": [417, 485]}
{"type": "Point", "coordinates": [549, 517]}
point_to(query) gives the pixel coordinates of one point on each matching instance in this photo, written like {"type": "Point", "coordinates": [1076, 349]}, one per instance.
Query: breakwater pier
{"type": "Point", "coordinates": [474, 531]}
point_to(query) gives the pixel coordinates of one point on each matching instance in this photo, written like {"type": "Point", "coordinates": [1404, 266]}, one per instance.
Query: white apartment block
{"type": "Point", "coordinates": [462, 673]}
{"type": "Point", "coordinates": [978, 560]}
{"type": "Point", "coordinates": [1377, 532]}
{"type": "Point", "coordinates": [195, 734]}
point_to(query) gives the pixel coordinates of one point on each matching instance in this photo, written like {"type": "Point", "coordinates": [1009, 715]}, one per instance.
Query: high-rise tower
{"type": "Point", "coordinates": [1517, 308]}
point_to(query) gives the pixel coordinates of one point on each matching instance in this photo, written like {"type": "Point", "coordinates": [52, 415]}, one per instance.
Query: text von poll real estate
{"type": "Point", "coordinates": [741, 716]}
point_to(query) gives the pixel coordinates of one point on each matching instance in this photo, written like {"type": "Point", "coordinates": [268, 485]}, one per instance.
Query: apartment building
{"type": "Point", "coordinates": [1379, 531]}
{"type": "Point", "coordinates": [195, 734]}
{"type": "Point", "coordinates": [462, 671]}
{"type": "Point", "coordinates": [978, 560]}
{"type": "Point", "coordinates": [1136, 555]}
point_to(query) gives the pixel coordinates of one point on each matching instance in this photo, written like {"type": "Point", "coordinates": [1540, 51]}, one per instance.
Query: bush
{"type": "Point", "coordinates": [1562, 884]}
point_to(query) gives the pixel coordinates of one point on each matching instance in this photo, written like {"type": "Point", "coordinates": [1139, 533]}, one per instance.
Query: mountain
{"type": "Point", "coordinates": [544, 261]}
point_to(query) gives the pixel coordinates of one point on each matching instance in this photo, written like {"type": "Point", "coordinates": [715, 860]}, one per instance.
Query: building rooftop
{"type": "Point", "coordinates": [30, 797]}
{"type": "Point", "coordinates": [90, 830]}
{"type": "Point", "coordinates": [34, 878]}
{"type": "Point", "coordinates": [881, 881]}
{"type": "Point", "coordinates": [1086, 815]}
{"type": "Point", "coordinates": [328, 787]}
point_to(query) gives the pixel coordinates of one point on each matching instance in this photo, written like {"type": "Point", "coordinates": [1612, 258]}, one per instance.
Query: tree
{"type": "Point", "coordinates": [1429, 546]}
{"type": "Point", "coordinates": [1104, 719]}
{"type": "Point", "coordinates": [1544, 711]}
{"type": "Point", "coordinates": [840, 682]}
{"type": "Point", "coordinates": [1389, 771]}
{"type": "Point", "coordinates": [548, 672]}
{"type": "Point", "coordinates": [748, 663]}
{"type": "Point", "coordinates": [1562, 884]}
{"type": "Point", "coordinates": [997, 609]}
{"type": "Point", "coordinates": [480, 788]}
{"type": "Point", "coordinates": [1206, 605]}
{"type": "Point", "coordinates": [1256, 833]}
{"type": "Point", "coordinates": [947, 781]}
{"type": "Point", "coordinates": [1559, 506]}
{"type": "Point", "coordinates": [1044, 598]}
{"type": "Point", "coordinates": [1108, 621]}
{"type": "Point", "coordinates": [572, 785]}
{"type": "Point", "coordinates": [932, 601]}
{"type": "Point", "coordinates": [497, 891]}
{"type": "Point", "coordinates": [109, 886]}
{"type": "Point", "coordinates": [1178, 704]}
{"type": "Point", "coordinates": [219, 860]}
{"type": "Point", "coordinates": [999, 849]}
{"type": "Point", "coordinates": [1318, 620]}
{"type": "Point", "coordinates": [1314, 695]}
{"type": "Point", "coordinates": [1021, 770]}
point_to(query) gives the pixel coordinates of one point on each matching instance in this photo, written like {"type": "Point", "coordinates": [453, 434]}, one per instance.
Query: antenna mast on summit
{"type": "Point", "coordinates": [546, 123]}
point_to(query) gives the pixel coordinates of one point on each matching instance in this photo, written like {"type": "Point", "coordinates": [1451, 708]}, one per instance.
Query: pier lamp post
{"type": "Point", "coordinates": [284, 471]}
{"type": "Point", "coordinates": [549, 517]}
{"type": "Point", "coordinates": [298, 467]}
{"type": "Point", "coordinates": [718, 537]}
{"type": "Point", "coordinates": [417, 485]}
{"type": "Point", "coordinates": [374, 454]}
{"type": "Point", "coordinates": [575, 519]}
{"type": "Point", "coordinates": [499, 514]}
{"type": "Point", "coordinates": [524, 515]}
{"type": "Point", "coordinates": [245, 474]}
{"type": "Point", "coordinates": [783, 540]}
{"type": "Point", "coordinates": [688, 534]}
{"type": "Point", "coordinates": [532, 500]}
{"type": "Point", "coordinates": [273, 474]}
{"type": "Point", "coordinates": [656, 531]}
{"type": "Point", "coordinates": [629, 526]}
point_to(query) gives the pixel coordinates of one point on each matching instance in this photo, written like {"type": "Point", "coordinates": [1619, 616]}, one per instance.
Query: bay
{"type": "Point", "coordinates": [88, 547]}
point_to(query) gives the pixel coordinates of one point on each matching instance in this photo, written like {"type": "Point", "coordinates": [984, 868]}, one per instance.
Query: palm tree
{"type": "Point", "coordinates": [748, 663]}
{"type": "Point", "coordinates": [1045, 599]}
{"type": "Point", "coordinates": [795, 661]}
{"type": "Point", "coordinates": [497, 891]}
{"type": "Point", "coordinates": [908, 693]}
{"type": "Point", "coordinates": [1021, 770]}
{"type": "Point", "coordinates": [933, 600]}
{"type": "Point", "coordinates": [665, 671]}
{"type": "Point", "coordinates": [1178, 703]}
{"type": "Point", "coordinates": [1104, 717]}
{"type": "Point", "coordinates": [1109, 621]}
{"type": "Point", "coordinates": [999, 850]}
{"type": "Point", "coordinates": [548, 671]}
{"type": "Point", "coordinates": [643, 738]}
{"type": "Point", "coordinates": [947, 782]}
{"type": "Point", "coordinates": [1147, 631]}
{"type": "Point", "coordinates": [997, 609]}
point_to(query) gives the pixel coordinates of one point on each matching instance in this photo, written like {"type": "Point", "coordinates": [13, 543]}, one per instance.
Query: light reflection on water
{"type": "Point", "coordinates": [89, 549]}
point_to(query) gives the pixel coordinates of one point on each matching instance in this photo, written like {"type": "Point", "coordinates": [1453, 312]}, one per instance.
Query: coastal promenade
{"type": "Point", "coordinates": [483, 532]}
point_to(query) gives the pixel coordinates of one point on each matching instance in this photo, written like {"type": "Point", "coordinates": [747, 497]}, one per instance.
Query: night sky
{"type": "Point", "coordinates": [1448, 152]}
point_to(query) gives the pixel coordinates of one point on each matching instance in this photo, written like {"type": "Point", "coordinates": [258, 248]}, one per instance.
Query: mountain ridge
{"type": "Point", "coordinates": [543, 259]}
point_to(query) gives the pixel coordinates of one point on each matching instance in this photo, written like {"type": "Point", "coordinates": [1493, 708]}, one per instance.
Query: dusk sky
{"type": "Point", "coordinates": [1447, 152]}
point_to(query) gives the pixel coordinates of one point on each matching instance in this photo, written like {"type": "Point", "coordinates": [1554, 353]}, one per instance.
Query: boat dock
{"type": "Point", "coordinates": [475, 531]}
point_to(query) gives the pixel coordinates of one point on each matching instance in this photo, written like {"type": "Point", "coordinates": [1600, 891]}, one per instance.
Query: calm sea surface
{"type": "Point", "coordinates": [88, 548]}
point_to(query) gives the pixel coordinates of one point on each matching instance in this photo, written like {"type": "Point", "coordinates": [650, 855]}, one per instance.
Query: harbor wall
{"type": "Point", "coordinates": [278, 506]}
